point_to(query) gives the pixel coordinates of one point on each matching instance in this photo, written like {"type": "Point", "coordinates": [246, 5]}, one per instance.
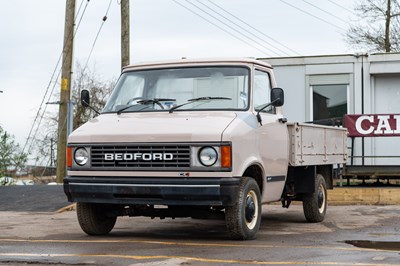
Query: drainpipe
{"type": "Point", "coordinates": [362, 106]}
{"type": "Point", "coordinates": [362, 101]}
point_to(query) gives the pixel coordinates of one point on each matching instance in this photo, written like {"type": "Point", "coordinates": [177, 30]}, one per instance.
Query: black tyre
{"type": "Point", "coordinates": [244, 217]}
{"type": "Point", "coordinates": [93, 218]}
{"type": "Point", "coordinates": [315, 204]}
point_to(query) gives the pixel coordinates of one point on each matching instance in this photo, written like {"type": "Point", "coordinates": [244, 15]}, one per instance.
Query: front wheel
{"type": "Point", "coordinates": [93, 218]}
{"type": "Point", "coordinates": [315, 204]}
{"type": "Point", "coordinates": [244, 217]}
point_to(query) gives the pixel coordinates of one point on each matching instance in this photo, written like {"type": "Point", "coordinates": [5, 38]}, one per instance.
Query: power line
{"type": "Point", "coordinates": [48, 87]}
{"type": "Point", "coordinates": [232, 28]}
{"type": "Point", "coordinates": [215, 25]}
{"type": "Point", "coordinates": [326, 12]}
{"type": "Point", "coordinates": [64, 123]}
{"type": "Point", "coordinates": [257, 30]}
{"type": "Point", "coordinates": [50, 82]}
{"type": "Point", "coordinates": [58, 75]}
{"type": "Point", "coordinates": [97, 35]}
{"type": "Point", "coordinates": [314, 16]}
{"type": "Point", "coordinates": [344, 8]}
{"type": "Point", "coordinates": [242, 28]}
{"type": "Point", "coordinates": [79, 9]}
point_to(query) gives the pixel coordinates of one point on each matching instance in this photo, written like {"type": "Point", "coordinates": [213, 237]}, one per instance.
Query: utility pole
{"type": "Point", "coordinates": [125, 55]}
{"type": "Point", "coordinates": [65, 94]}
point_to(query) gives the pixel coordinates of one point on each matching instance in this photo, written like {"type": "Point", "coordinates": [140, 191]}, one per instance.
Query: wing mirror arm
{"type": "Point", "coordinates": [277, 100]}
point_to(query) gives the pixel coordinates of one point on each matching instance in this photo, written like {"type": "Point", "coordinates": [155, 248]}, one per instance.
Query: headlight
{"type": "Point", "coordinates": [81, 156]}
{"type": "Point", "coordinates": [208, 156]}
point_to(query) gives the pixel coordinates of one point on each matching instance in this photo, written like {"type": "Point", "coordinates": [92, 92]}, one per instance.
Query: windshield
{"type": "Point", "coordinates": [195, 88]}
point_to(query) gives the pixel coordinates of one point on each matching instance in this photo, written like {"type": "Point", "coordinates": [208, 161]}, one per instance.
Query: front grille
{"type": "Point", "coordinates": [180, 155]}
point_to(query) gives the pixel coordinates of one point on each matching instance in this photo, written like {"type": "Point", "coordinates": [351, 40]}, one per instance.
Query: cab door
{"type": "Point", "coordinates": [271, 136]}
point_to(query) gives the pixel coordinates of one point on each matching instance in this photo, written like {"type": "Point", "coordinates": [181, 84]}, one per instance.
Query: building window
{"type": "Point", "coordinates": [329, 103]}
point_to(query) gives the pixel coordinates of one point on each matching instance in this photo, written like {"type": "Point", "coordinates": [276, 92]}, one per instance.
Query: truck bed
{"type": "Point", "coordinates": [316, 145]}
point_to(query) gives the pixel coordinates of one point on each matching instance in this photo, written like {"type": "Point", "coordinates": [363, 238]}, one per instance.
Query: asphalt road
{"type": "Point", "coordinates": [350, 235]}
{"type": "Point", "coordinates": [37, 198]}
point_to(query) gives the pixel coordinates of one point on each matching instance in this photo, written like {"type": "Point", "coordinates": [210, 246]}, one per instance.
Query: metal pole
{"type": "Point", "coordinates": [362, 107]}
{"type": "Point", "coordinates": [352, 151]}
{"type": "Point", "coordinates": [65, 90]}
{"type": "Point", "coordinates": [51, 152]}
{"type": "Point", "coordinates": [70, 120]}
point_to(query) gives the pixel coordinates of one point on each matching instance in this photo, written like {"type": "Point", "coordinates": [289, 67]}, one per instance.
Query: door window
{"type": "Point", "coordinates": [262, 91]}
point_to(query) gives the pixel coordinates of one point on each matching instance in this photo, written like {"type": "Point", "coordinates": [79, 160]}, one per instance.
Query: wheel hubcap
{"type": "Point", "coordinates": [250, 209]}
{"type": "Point", "coordinates": [321, 199]}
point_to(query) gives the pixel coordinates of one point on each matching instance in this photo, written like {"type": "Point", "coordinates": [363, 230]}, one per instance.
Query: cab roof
{"type": "Point", "coordinates": [196, 62]}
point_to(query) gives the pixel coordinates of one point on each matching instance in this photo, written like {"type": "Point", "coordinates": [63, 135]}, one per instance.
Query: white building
{"type": "Point", "coordinates": [325, 88]}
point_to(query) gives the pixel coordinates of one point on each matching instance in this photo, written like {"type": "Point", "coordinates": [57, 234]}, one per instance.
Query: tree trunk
{"type": "Point", "coordinates": [387, 28]}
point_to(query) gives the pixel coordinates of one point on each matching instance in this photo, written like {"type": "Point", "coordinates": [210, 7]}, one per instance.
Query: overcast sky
{"type": "Point", "coordinates": [32, 34]}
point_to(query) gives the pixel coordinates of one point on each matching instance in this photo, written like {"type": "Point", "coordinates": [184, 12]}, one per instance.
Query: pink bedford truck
{"type": "Point", "coordinates": [198, 138]}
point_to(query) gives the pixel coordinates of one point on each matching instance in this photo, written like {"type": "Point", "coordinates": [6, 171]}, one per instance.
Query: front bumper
{"type": "Point", "coordinates": [152, 191]}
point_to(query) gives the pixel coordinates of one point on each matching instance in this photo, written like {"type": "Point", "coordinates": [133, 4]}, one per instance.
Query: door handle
{"type": "Point", "coordinates": [282, 120]}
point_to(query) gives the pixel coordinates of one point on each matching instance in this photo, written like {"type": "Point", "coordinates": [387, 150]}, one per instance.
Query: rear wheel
{"type": "Point", "coordinates": [315, 204]}
{"type": "Point", "coordinates": [244, 217]}
{"type": "Point", "coordinates": [93, 218]}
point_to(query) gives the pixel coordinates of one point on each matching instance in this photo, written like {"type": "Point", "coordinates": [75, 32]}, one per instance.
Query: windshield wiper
{"type": "Point", "coordinates": [207, 98]}
{"type": "Point", "coordinates": [147, 101]}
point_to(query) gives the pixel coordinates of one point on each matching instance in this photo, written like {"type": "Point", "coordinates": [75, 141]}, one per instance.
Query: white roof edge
{"type": "Point", "coordinates": [333, 55]}
{"type": "Point", "coordinates": [204, 61]}
{"type": "Point", "coordinates": [334, 58]}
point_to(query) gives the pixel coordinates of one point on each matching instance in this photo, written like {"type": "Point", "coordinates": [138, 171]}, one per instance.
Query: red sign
{"type": "Point", "coordinates": [384, 125]}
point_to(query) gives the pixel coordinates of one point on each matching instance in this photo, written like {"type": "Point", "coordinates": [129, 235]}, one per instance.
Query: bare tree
{"type": "Point", "coordinates": [378, 27]}
{"type": "Point", "coordinates": [84, 78]}
{"type": "Point", "coordinates": [99, 91]}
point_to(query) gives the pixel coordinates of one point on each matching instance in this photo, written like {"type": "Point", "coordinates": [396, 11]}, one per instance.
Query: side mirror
{"type": "Point", "coordinates": [277, 97]}
{"type": "Point", "coordinates": [85, 98]}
